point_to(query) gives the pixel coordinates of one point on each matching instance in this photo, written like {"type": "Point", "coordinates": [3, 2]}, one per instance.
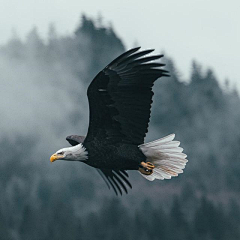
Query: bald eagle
{"type": "Point", "coordinates": [120, 99]}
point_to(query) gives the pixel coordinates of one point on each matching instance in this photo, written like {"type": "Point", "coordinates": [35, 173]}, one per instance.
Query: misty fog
{"type": "Point", "coordinates": [43, 99]}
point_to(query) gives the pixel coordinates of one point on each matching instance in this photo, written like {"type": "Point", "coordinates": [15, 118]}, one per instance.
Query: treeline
{"type": "Point", "coordinates": [62, 201]}
{"type": "Point", "coordinates": [114, 221]}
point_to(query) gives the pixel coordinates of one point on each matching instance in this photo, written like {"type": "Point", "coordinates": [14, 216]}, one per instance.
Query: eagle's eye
{"type": "Point", "coordinates": [60, 153]}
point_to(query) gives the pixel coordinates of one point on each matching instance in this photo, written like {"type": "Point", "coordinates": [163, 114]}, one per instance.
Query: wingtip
{"type": "Point", "coordinates": [133, 50]}
{"type": "Point", "coordinates": [122, 56]}
{"type": "Point", "coordinates": [137, 48]}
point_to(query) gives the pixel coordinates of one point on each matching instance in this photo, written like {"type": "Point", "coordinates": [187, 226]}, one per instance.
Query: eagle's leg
{"type": "Point", "coordinates": [146, 168]}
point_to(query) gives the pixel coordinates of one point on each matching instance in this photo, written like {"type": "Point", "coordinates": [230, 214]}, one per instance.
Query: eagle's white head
{"type": "Point", "coordinates": [75, 153]}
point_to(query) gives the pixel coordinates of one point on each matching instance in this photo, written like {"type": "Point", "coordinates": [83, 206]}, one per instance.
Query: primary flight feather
{"type": "Point", "coordinates": [120, 99]}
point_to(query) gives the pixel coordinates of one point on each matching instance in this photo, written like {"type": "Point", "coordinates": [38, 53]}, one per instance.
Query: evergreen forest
{"type": "Point", "coordinates": [43, 100]}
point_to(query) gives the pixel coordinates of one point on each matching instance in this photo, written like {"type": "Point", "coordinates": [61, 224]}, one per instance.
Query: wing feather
{"type": "Point", "coordinates": [120, 98]}
{"type": "Point", "coordinates": [115, 179]}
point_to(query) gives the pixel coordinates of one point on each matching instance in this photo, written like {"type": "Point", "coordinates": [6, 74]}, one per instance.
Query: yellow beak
{"type": "Point", "coordinates": [55, 157]}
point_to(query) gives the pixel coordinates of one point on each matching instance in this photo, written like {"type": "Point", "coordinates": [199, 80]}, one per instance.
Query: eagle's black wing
{"type": "Point", "coordinates": [120, 98]}
{"type": "Point", "coordinates": [114, 179]}
{"type": "Point", "coordinates": [75, 139]}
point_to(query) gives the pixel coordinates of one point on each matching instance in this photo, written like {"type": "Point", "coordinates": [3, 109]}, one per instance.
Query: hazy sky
{"type": "Point", "coordinates": [204, 30]}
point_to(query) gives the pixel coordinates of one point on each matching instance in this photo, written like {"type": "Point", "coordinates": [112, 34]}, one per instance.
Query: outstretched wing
{"type": "Point", "coordinates": [112, 178]}
{"type": "Point", "coordinates": [117, 179]}
{"type": "Point", "coordinates": [120, 98]}
{"type": "Point", "coordinates": [75, 139]}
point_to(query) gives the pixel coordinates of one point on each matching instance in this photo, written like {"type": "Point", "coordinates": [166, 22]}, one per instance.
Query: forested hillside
{"type": "Point", "coordinates": [43, 99]}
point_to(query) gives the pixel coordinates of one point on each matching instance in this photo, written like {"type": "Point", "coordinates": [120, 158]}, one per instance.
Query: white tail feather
{"type": "Point", "coordinates": [167, 157]}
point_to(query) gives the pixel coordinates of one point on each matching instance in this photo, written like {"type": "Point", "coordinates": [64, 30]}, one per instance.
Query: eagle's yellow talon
{"type": "Point", "coordinates": [146, 168]}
